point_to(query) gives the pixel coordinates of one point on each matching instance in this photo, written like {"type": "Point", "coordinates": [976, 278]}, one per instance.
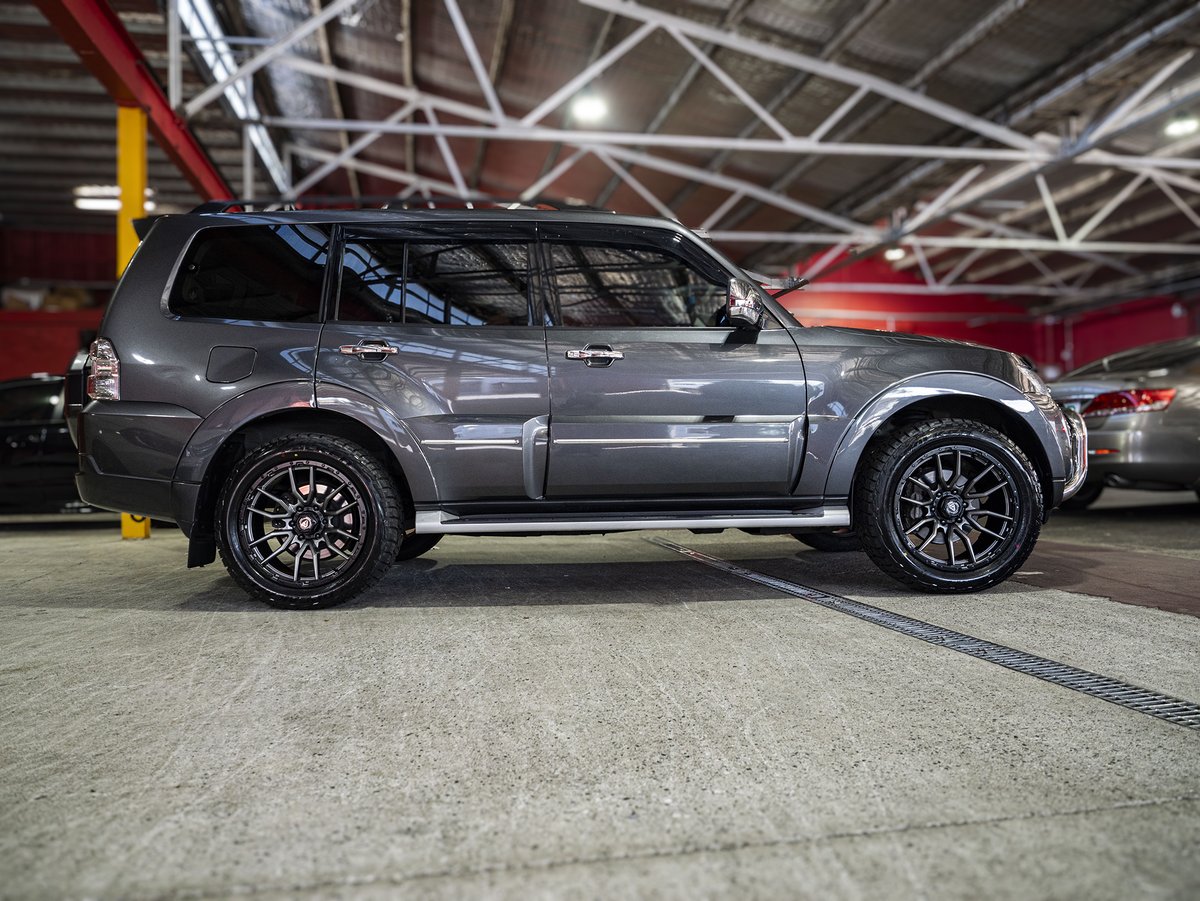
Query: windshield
{"type": "Point", "coordinates": [1156, 356]}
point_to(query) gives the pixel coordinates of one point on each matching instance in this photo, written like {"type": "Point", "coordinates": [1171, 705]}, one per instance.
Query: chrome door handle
{"type": "Point", "coordinates": [367, 347]}
{"type": "Point", "coordinates": [596, 355]}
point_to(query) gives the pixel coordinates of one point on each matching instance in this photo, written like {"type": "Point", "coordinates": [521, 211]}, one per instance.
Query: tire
{"type": "Point", "coordinates": [413, 546]}
{"type": "Point", "coordinates": [839, 541]}
{"type": "Point", "coordinates": [268, 492]}
{"type": "Point", "coordinates": [1084, 497]}
{"type": "Point", "coordinates": [947, 505]}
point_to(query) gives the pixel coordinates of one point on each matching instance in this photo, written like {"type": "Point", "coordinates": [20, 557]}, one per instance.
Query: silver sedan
{"type": "Point", "coordinates": [1142, 409]}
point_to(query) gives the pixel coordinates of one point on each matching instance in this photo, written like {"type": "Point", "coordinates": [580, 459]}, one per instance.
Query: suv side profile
{"type": "Point", "coordinates": [316, 395]}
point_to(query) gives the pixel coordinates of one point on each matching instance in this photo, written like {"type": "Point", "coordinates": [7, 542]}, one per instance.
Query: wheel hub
{"type": "Point", "coordinates": [308, 523]}
{"type": "Point", "coordinates": [950, 508]}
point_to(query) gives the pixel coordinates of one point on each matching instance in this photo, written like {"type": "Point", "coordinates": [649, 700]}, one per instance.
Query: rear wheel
{"type": "Point", "coordinates": [947, 505]}
{"type": "Point", "coordinates": [308, 521]}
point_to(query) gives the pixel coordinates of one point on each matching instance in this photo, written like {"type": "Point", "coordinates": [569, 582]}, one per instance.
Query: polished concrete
{"type": "Point", "coordinates": [594, 717]}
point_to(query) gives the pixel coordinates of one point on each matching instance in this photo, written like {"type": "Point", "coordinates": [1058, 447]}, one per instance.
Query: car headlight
{"type": "Point", "coordinates": [1034, 383]}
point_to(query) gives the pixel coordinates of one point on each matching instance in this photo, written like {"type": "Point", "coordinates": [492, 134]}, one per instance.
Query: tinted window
{"type": "Point", "coordinates": [614, 286]}
{"type": "Point", "coordinates": [29, 402]}
{"type": "Point", "coordinates": [258, 272]}
{"type": "Point", "coordinates": [435, 283]}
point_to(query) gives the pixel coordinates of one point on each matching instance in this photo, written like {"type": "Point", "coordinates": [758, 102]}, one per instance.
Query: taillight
{"type": "Point", "coordinates": [104, 381]}
{"type": "Point", "coordinates": [1133, 400]}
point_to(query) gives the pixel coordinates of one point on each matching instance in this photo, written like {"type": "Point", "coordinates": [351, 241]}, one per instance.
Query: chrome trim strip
{"type": "Point", "coordinates": [471, 442]}
{"type": "Point", "coordinates": [689, 440]}
{"type": "Point", "coordinates": [433, 522]}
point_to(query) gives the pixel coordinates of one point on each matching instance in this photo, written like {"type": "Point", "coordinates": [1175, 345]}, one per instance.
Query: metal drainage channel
{"type": "Point", "coordinates": [1152, 703]}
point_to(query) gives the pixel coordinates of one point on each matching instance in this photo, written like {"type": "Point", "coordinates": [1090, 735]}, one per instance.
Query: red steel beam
{"type": "Point", "coordinates": [94, 31]}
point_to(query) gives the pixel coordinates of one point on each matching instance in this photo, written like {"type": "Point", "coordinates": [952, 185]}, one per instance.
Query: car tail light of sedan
{"type": "Point", "coordinates": [104, 381]}
{"type": "Point", "coordinates": [1132, 400]}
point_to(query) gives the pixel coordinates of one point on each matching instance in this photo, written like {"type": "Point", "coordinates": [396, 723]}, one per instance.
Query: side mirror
{"type": "Point", "coordinates": [743, 306]}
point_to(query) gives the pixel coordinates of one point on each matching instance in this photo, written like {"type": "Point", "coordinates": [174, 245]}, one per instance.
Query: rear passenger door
{"type": "Point", "coordinates": [435, 325]}
{"type": "Point", "coordinates": [651, 393]}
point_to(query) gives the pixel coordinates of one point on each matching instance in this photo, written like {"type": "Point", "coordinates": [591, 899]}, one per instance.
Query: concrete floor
{"type": "Point", "coordinates": [594, 717]}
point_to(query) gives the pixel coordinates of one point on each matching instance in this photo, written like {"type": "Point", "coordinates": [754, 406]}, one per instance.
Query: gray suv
{"type": "Point", "coordinates": [315, 395]}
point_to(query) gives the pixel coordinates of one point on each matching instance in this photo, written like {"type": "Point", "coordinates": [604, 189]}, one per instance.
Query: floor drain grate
{"type": "Point", "coordinates": [1152, 703]}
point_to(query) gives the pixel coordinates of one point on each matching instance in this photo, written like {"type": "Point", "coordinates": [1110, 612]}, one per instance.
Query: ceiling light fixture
{"type": "Point", "coordinates": [589, 108]}
{"type": "Point", "coordinates": [894, 254]}
{"type": "Point", "coordinates": [1182, 126]}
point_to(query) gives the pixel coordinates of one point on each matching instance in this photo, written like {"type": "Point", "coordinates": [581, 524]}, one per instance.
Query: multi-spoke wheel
{"type": "Point", "coordinates": [308, 521]}
{"type": "Point", "coordinates": [948, 505]}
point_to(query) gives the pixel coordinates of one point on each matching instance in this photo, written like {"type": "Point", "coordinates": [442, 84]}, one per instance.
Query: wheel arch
{"type": "Point", "coordinates": [978, 398]}
{"type": "Point", "coordinates": [253, 432]}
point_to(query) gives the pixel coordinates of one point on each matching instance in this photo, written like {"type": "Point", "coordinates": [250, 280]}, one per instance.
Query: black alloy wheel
{"type": "Point", "coordinates": [308, 521]}
{"type": "Point", "coordinates": [948, 506]}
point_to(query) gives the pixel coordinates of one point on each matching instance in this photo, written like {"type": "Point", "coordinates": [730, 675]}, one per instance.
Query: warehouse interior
{"type": "Point", "coordinates": [586, 715]}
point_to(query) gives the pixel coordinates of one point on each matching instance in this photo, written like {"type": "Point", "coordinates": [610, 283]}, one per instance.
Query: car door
{"type": "Point", "coordinates": [434, 324]}
{"type": "Point", "coordinates": [651, 395]}
{"type": "Point", "coordinates": [37, 460]}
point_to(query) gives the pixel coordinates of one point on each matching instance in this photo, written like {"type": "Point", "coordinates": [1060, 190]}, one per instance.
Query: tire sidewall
{"type": "Point", "coordinates": [232, 536]}
{"type": "Point", "coordinates": [883, 521]}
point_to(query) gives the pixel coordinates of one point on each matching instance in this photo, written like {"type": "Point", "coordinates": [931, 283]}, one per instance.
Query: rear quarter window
{"type": "Point", "coordinates": [257, 272]}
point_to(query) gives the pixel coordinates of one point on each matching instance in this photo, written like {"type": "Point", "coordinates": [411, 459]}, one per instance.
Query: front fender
{"type": "Point", "coordinates": [984, 389]}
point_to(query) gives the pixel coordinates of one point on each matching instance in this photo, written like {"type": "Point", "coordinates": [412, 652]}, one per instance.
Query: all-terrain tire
{"type": "Point", "coordinates": [947, 505]}
{"type": "Point", "coordinates": [308, 521]}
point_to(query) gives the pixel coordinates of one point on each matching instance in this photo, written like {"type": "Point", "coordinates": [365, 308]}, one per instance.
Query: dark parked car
{"type": "Point", "coordinates": [1142, 409]}
{"type": "Point", "coordinates": [37, 459]}
{"type": "Point", "coordinates": [315, 395]}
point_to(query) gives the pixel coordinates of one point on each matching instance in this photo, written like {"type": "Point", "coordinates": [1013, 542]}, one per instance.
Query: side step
{"type": "Point", "coordinates": [436, 523]}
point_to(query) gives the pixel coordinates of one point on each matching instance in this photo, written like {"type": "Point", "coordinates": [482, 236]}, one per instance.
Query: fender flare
{"type": "Point", "coordinates": [987, 389]}
{"type": "Point", "coordinates": [264, 401]}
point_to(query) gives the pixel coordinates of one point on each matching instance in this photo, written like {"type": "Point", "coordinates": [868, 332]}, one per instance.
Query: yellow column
{"type": "Point", "coordinates": [131, 177]}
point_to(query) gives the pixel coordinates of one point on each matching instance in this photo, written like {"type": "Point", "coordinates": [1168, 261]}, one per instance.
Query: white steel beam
{"type": "Point", "coordinates": [1051, 208]}
{"type": "Point", "coordinates": [1103, 213]}
{"type": "Point", "coordinates": [1117, 117]}
{"type": "Point", "coordinates": [832, 71]}
{"type": "Point", "coordinates": [468, 45]}
{"type": "Point", "coordinates": [840, 113]}
{"type": "Point", "coordinates": [460, 183]}
{"type": "Point", "coordinates": [353, 150]}
{"type": "Point", "coordinates": [1184, 208]}
{"type": "Point", "coordinates": [553, 175]}
{"type": "Point", "coordinates": [552, 102]}
{"type": "Point", "coordinates": [1043, 244]}
{"type": "Point", "coordinates": [417, 182]}
{"type": "Point", "coordinates": [277, 49]}
{"type": "Point", "coordinates": [641, 190]}
{"type": "Point", "coordinates": [732, 86]}
{"type": "Point", "coordinates": [942, 199]}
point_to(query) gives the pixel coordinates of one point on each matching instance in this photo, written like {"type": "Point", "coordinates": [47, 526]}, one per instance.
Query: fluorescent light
{"type": "Point", "coordinates": [105, 204]}
{"type": "Point", "coordinates": [589, 108]}
{"type": "Point", "coordinates": [97, 191]}
{"type": "Point", "coordinates": [894, 254]}
{"type": "Point", "coordinates": [1182, 126]}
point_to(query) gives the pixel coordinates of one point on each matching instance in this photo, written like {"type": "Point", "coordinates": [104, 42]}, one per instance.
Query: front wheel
{"type": "Point", "coordinates": [308, 521]}
{"type": "Point", "coordinates": [947, 505]}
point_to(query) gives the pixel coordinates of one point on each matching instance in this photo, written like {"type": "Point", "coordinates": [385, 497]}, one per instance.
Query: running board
{"type": "Point", "coordinates": [436, 523]}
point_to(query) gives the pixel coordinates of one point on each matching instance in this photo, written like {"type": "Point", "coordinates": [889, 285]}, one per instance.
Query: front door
{"type": "Point", "coordinates": [651, 395]}
{"type": "Point", "coordinates": [436, 327]}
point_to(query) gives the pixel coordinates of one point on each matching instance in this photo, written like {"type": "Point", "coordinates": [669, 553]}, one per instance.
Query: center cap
{"type": "Point", "coordinates": [307, 523]}
{"type": "Point", "coordinates": [952, 507]}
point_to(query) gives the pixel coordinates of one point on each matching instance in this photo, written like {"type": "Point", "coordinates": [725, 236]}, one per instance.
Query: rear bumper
{"type": "Point", "coordinates": [123, 494]}
{"type": "Point", "coordinates": [1158, 456]}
